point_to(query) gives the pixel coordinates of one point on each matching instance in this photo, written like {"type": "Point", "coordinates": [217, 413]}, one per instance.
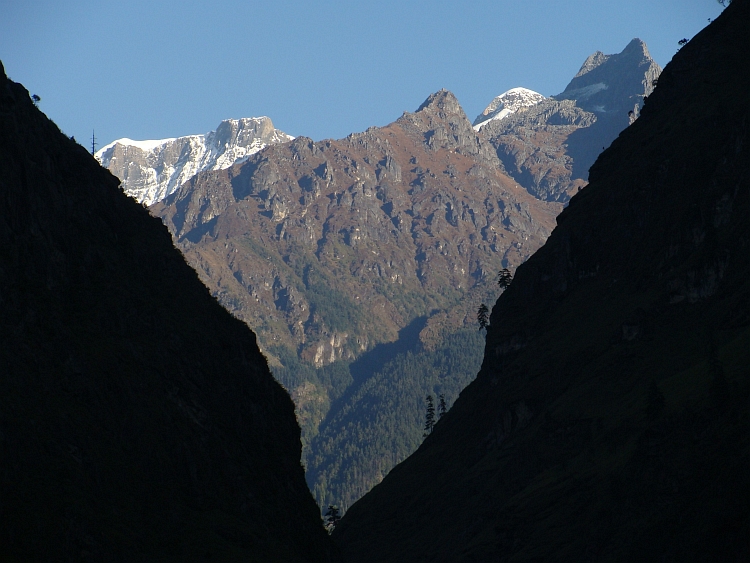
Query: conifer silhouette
{"type": "Point", "coordinates": [429, 422]}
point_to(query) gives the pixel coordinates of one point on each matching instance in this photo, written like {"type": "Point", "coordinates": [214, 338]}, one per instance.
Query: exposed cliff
{"type": "Point", "coordinates": [610, 418]}
{"type": "Point", "coordinates": [138, 420]}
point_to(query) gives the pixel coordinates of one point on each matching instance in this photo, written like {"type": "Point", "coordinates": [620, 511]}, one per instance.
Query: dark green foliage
{"type": "Point", "coordinates": [379, 421]}
{"type": "Point", "coordinates": [336, 310]}
{"type": "Point", "coordinates": [324, 385]}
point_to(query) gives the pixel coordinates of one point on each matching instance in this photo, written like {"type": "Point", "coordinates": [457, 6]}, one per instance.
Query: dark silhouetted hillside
{"type": "Point", "coordinates": [609, 421]}
{"type": "Point", "coordinates": [138, 420]}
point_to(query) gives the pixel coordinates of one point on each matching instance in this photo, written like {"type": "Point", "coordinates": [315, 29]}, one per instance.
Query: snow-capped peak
{"type": "Point", "coordinates": [159, 167]}
{"type": "Point", "coordinates": [143, 145]}
{"type": "Point", "coordinates": [507, 103]}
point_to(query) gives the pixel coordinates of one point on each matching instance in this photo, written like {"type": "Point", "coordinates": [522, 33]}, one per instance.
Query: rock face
{"type": "Point", "coordinates": [613, 83]}
{"type": "Point", "coordinates": [138, 420]}
{"type": "Point", "coordinates": [323, 246]}
{"type": "Point", "coordinates": [550, 147]}
{"type": "Point", "coordinates": [151, 170]}
{"type": "Point", "coordinates": [610, 418]}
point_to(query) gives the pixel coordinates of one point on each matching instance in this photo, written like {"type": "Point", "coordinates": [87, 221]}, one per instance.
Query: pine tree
{"type": "Point", "coordinates": [442, 407]}
{"type": "Point", "coordinates": [429, 422]}
{"type": "Point", "coordinates": [483, 316]}
{"type": "Point", "coordinates": [332, 517]}
{"type": "Point", "coordinates": [504, 279]}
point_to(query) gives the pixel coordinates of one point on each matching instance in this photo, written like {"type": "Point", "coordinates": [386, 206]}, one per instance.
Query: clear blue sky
{"type": "Point", "coordinates": [150, 69]}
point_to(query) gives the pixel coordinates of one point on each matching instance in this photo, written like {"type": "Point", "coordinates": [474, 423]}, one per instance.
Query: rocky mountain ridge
{"type": "Point", "coordinates": [151, 170]}
{"type": "Point", "coordinates": [419, 205]}
{"type": "Point", "coordinates": [550, 147]}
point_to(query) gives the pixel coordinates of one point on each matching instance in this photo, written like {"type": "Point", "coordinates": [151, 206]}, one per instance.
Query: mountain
{"type": "Point", "coordinates": [361, 263]}
{"type": "Point", "coordinates": [609, 421]}
{"type": "Point", "coordinates": [549, 147]}
{"type": "Point", "coordinates": [515, 99]}
{"type": "Point", "coordinates": [151, 170]}
{"type": "Point", "coordinates": [138, 419]}
{"type": "Point", "coordinates": [344, 254]}
{"type": "Point", "coordinates": [384, 225]}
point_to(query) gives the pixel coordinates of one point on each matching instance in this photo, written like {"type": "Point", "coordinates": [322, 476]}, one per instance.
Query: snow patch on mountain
{"type": "Point", "coordinates": [151, 170]}
{"type": "Point", "coordinates": [143, 145]}
{"type": "Point", "coordinates": [507, 103]}
{"type": "Point", "coordinates": [586, 91]}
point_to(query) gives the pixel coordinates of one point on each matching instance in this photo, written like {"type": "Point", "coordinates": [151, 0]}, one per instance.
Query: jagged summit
{"type": "Point", "coordinates": [505, 104]}
{"type": "Point", "coordinates": [613, 83]}
{"type": "Point", "coordinates": [151, 170]}
{"type": "Point", "coordinates": [444, 101]}
{"type": "Point", "coordinates": [550, 145]}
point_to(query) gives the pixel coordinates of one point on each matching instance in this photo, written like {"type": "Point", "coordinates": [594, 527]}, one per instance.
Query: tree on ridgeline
{"type": "Point", "coordinates": [442, 407]}
{"type": "Point", "coordinates": [332, 517]}
{"type": "Point", "coordinates": [483, 316]}
{"type": "Point", "coordinates": [429, 421]}
{"type": "Point", "coordinates": [504, 278]}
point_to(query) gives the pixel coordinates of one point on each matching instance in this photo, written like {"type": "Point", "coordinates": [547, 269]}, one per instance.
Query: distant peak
{"type": "Point", "coordinates": [637, 46]}
{"type": "Point", "coordinates": [604, 81]}
{"type": "Point", "coordinates": [160, 166]}
{"type": "Point", "coordinates": [507, 103]}
{"type": "Point", "coordinates": [147, 145]}
{"type": "Point", "coordinates": [442, 100]}
{"type": "Point", "coordinates": [593, 61]}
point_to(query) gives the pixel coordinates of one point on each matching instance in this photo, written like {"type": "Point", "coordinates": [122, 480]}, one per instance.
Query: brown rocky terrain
{"type": "Point", "coordinates": [610, 419]}
{"type": "Point", "coordinates": [386, 226]}
{"type": "Point", "coordinates": [138, 419]}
